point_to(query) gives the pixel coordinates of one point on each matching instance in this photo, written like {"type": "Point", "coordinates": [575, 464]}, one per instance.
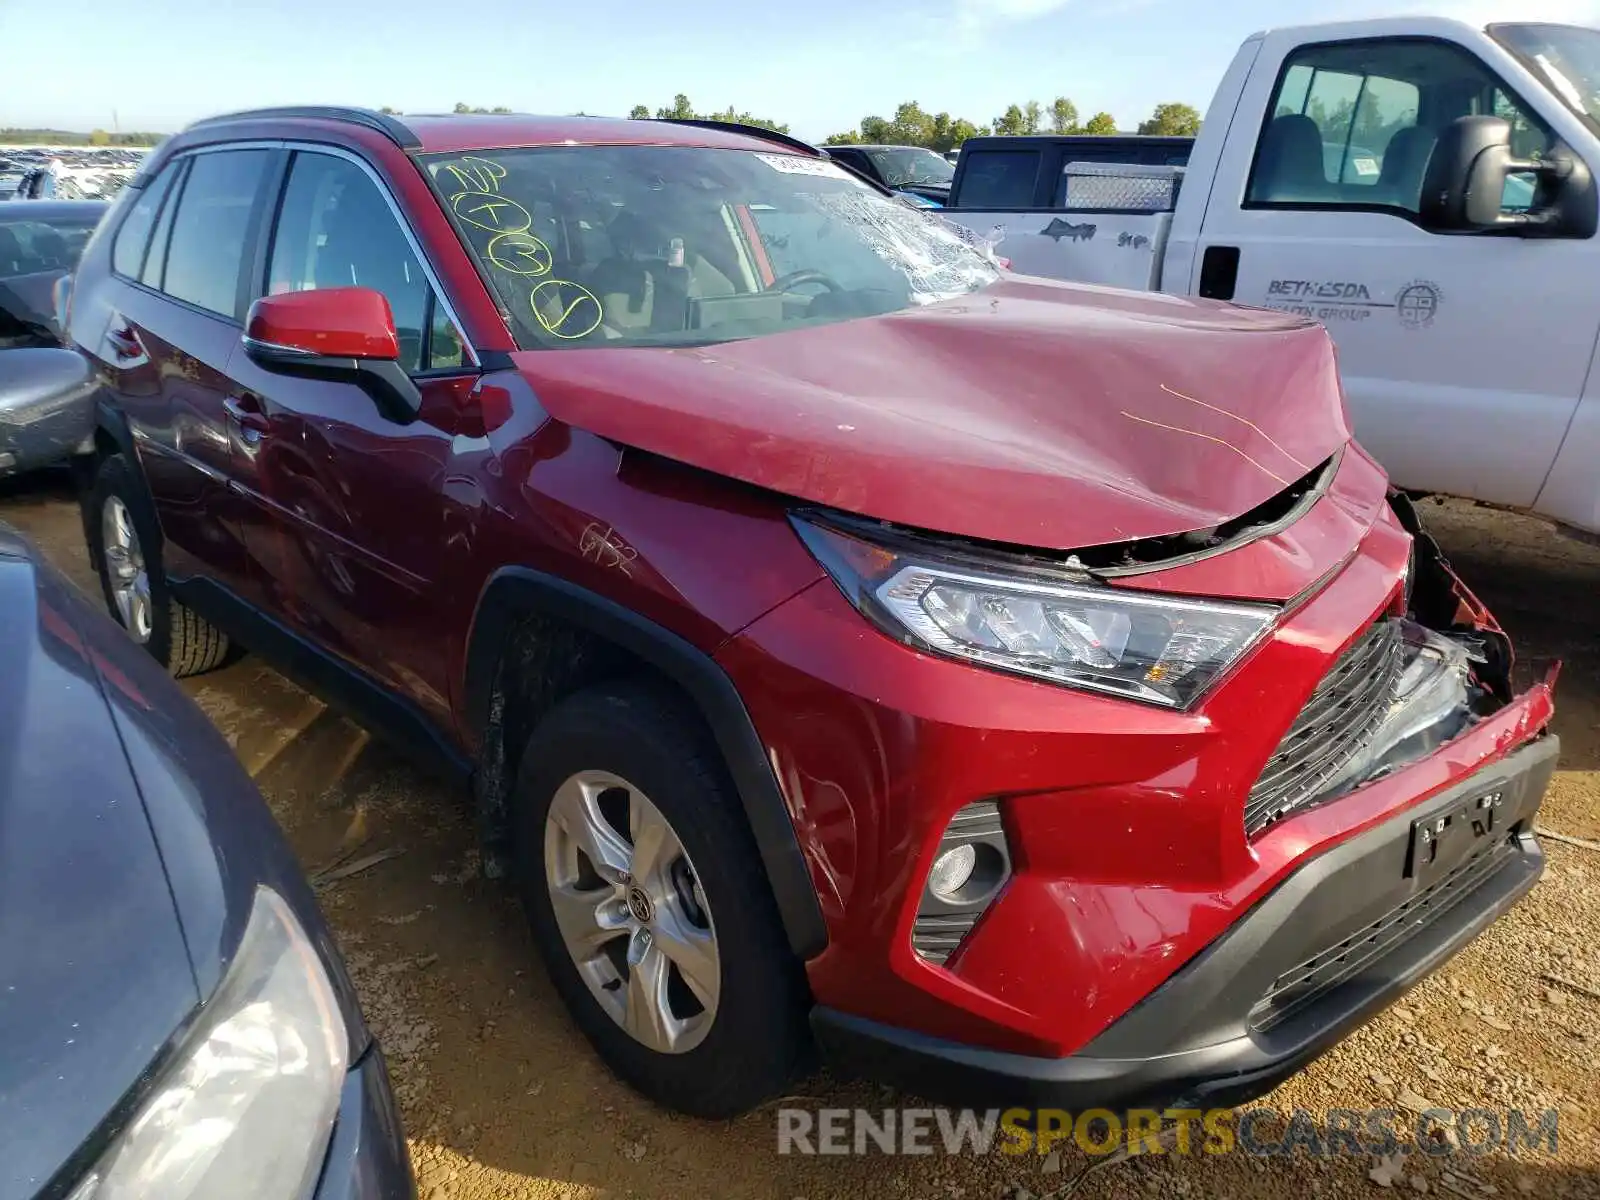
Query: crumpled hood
{"type": "Point", "coordinates": [1033, 412]}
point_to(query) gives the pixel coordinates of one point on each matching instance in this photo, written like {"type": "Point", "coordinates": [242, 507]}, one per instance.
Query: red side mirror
{"type": "Point", "coordinates": [343, 335]}
{"type": "Point", "coordinates": [351, 322]}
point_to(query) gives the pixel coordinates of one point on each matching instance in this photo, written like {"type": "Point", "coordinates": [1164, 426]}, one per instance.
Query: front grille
{"type": "Point", "coordinates": [1295, 989]}
{"type": "Point", "coordinates": [1337, 720]}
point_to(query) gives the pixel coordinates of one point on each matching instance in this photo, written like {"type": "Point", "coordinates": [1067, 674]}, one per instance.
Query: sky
{"type": "Point", "coordinates": [820, 65]}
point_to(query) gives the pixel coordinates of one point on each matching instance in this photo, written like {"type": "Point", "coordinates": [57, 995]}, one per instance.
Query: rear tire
{"type": "Point", "coordinates": [621, 769]}
{"type": "Point", "coordinates": [125, 546]}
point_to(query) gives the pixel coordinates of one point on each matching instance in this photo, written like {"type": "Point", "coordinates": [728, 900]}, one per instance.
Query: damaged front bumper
{"type": "Point", "coordinates": [1344, 934]}
{"type": "Point", "coordinates": [1335, 943]}
{"type": "Point", "coordinates": [1100, 971]}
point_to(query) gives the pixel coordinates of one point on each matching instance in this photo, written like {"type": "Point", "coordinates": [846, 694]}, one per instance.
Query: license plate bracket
{"type": "Point", "coordinates": [1444, 838]}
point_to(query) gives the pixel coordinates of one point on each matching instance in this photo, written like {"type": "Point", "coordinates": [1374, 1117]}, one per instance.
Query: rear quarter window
{"type": "Point", "coordinates": [133, 235]}
{"type": "Point", "coordinates": [999, 179]}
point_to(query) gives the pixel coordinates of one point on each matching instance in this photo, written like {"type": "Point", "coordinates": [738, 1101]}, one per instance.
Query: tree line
{"type": "Point", "coordinates": [66, 137]}
{"type": "Point", "coordinates": [911, 125]}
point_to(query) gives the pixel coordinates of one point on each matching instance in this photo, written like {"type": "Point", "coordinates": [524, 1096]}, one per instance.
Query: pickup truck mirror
{"type": "Point", "coordinates": [1464, 190]}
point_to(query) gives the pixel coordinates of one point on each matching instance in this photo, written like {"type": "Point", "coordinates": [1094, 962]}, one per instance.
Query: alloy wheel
{"type": "Point", "coordinates": [631, 912]}
{"type": "Point", "coordinates": [125, 569]}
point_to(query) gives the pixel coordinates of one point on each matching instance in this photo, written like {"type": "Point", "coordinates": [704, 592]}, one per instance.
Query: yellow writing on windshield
{"type": "Point", "coordinates": [519, 254]}
{"type": "Point", "coordinates": [485, 210]}
{"type": "Point", "coordinates": [476, 174]}
{"type": "Point", "coordinates": [565, 309]}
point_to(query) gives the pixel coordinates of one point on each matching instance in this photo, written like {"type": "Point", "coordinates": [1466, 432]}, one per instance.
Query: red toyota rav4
{"type": "Point", "coordinates": [1020, 691]}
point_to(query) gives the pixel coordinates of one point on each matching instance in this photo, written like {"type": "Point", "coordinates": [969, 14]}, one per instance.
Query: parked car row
{"type": "Point", "coordinates": [831, 662]}
{"type": "Point", "coordinates": [65, 172]}
{"type": "Point", "coordinates": [912, 171]}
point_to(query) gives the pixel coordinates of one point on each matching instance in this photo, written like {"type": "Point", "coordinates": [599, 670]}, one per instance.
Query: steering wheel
{"type": "Point", "coordinates": [787, 283]}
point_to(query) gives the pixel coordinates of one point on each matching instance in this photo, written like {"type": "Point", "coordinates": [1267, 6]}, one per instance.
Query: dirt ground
{"type": "Point", "coordinates": [502, 1099]}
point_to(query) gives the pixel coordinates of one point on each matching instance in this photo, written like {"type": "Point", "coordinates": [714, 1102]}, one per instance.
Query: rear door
{"type": "Point", "coordinates": [346, 510]}
{"type": "Point", "coordinates": [1463, 357]}
{"type": "Point", "coordinates": [182, 258]}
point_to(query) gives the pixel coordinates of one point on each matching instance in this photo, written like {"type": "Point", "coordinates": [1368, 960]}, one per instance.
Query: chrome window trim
{"type": "Point", "coordinates": [250, 343]}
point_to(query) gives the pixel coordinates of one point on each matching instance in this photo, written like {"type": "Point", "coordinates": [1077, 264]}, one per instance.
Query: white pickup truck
{"type": "Point", "coordinates": [1424, 188]}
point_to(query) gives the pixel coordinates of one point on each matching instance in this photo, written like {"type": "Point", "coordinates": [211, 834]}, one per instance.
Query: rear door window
{"type": "Point", "coordinates": [207, 253]}
{"type": "Point", "coordinates": [999, 179]}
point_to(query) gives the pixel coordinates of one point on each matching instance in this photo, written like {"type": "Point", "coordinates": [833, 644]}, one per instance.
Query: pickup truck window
{"type": "Point", "coordinates": [1000, 179]}
{"type": "Point", "coordinates": [1353, 124]}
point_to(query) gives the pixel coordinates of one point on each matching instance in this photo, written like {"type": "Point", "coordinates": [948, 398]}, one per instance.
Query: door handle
{"type": "Point", "coordinates": [1219, 272]}
{"type": "Point", "coordinates": [245, 412]}
{"type": "Point", "coordinates": [124, 342]}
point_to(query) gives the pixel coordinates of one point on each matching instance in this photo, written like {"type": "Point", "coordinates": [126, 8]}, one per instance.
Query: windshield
{"type": "Point", "coordinates": [680, 245]}
{"type": "Point", "coordinates": [912, 165]}
{"type": "Point", "coordinates": [1566, 58]}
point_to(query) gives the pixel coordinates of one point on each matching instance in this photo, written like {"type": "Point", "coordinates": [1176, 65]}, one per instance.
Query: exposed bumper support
{"type": "Point", "coordinates": [1339, 940]}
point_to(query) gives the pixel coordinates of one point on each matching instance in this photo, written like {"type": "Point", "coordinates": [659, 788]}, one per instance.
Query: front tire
{"type": "Point", "coordinates": [648, 903]}
{"type": "Point", "coordinates": [125, 545]}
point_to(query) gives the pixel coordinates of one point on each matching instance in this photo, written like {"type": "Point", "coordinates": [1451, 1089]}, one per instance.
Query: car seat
{"type": "Point", "coordinates": [1405, 161]}
{"type": "Point", "coordinates": [1289, 166]}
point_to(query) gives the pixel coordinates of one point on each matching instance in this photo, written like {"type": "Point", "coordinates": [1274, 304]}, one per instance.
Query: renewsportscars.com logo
{"type": "Point", "coordinates": [1382, 1132]}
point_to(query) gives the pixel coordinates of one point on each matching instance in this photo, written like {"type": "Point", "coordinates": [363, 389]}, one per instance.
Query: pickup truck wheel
{"type": "Point", "coordinates": [647, 901]}
{"type": "Point", "coordinates": [125, 544]}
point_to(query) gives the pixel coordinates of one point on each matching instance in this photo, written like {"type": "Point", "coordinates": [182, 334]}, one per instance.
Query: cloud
{"type": "Point", "coordinates": [1475, 12]}
{"type": "Point", "coordinates": [968, 21]}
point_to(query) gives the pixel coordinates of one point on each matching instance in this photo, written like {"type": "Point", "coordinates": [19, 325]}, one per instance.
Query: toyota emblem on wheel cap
{"type": "Point", "coordinates": [640, 906]}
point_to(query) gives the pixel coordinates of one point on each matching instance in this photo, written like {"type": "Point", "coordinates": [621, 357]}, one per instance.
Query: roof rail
{"type": "Point", "coordinates": [755, 131]}
{"type": "Point", "coordinates": [396, 131]}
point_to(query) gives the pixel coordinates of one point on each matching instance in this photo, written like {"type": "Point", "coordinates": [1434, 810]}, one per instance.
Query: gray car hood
{"type": "Point", "coordinates": [95, 978]}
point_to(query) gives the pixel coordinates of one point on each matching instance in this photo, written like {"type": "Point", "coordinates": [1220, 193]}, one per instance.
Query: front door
{"type": "Point", "coordinates": [1462, 357]}
{"type": "Point", "coordinates": [347, 513]}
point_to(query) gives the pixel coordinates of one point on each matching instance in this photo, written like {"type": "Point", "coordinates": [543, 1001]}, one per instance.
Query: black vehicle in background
{"type": "Point", "coordinates": [1028, 173]}
{"type": "Point", "coordinates": [176, 1021]}
{"type": "Point", "coordinates": [914, 169]}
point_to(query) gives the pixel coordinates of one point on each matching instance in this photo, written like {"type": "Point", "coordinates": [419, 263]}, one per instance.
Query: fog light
{"type": "Point", "coordinates": [970, 865]}
{"type": "Point", "coordinates": [952, 870]}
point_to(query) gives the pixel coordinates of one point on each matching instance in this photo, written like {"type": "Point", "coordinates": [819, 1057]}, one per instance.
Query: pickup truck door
{"type": "Point", "coordinates": [1463, 357]}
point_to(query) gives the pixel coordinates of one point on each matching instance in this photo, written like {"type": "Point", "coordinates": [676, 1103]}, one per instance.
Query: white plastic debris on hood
{"type": "Point", "coordinates": [983, 243]}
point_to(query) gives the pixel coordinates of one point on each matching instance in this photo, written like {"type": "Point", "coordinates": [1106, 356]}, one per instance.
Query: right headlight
{"type": "Point", "coordinates": [1020, 615]}
{"type": "Point", "coordinates": [246, 1109]}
